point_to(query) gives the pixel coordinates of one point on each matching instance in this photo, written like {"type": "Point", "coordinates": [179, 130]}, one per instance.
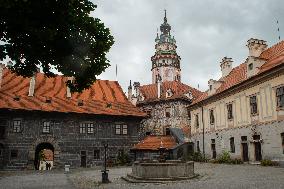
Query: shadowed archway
{"type": "Point", "coordinates": [39, 148]}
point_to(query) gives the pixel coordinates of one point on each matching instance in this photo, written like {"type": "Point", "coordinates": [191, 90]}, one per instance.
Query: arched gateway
{"type": "Point", "coordinates": [45, 145]}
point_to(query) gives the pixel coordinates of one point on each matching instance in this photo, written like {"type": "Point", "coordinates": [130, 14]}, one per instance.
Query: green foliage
{"type": "Point", "coordinates": [196, 156]}
{"type": "Point", "coordinates": [122, 158]}
{"type": "Point", "coordinates": [268, 162]}
{"type": "Point", "coordinates": [57, 34]}
{"type": "Point", "coordinates": [224, 157]}
{"type": "Point", "coordinates": [41, 156]}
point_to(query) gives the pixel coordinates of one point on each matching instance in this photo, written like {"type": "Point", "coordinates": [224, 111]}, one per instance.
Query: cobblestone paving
{"type": "Point", "coordinates": [35, 180]}
{"type": "Point", "coordinates": [212, 176]}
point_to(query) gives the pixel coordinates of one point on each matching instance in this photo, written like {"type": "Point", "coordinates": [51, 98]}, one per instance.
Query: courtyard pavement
{"type": "Point", "coordinates": [212, 176]}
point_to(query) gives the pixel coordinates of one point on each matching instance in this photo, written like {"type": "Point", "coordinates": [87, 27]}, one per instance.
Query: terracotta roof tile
{"type": "Point", "coordinates": [153, 142]}
{"type": "Point", "coordinates": [274, 56]}
{"type": "Point", "coordinates": [150, 92]}
{"type": "Point", "coordinates": [103, 97]}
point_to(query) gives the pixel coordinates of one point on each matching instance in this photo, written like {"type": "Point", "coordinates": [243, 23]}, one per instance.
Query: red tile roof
{"type": "Point", "coordinates": [153, 142]}
{"type": "Point", "coordinates": [103, 97]}
{"type": "Point", "coordinates": [274, 56]}
{"type": "Point", "coordinates": [150, 92]}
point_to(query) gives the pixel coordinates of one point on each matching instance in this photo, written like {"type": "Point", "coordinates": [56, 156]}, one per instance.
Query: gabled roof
{"type": "Point", "coordinates": [103, 97]}
{"type": "Point", "coordinates": [179, 90]}
{"type": "Point", "coordinates": [153, 142]}
{"type": "Point", "coordinates": [274, 56]}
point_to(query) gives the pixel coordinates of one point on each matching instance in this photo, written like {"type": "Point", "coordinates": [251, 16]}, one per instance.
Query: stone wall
{"type": "Point", "coordinates": [157, 120]}
{"type": "Point", "coordinates": [270, 139]}
{"type": "Point", "coordinates": [64, 136]}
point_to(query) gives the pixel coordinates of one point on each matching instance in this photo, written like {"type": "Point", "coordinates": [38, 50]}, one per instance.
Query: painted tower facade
{"type": "Point", "coordinates": [165, 62]}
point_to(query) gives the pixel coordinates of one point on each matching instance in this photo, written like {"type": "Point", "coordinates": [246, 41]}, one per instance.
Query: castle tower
{"type": "Point", "coordinates": [165, 62]}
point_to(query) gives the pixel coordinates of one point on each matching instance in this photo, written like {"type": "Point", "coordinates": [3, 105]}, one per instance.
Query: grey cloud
{"type": "Point", "coordinates": [205, 32]}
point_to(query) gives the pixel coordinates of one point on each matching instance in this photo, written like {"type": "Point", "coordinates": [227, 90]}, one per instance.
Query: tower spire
{"type": "Point", "coordinates": [165, 18]}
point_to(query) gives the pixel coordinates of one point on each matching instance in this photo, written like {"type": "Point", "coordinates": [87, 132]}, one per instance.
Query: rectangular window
{"type": "Point", "coordinates": [244, 138]}
{"type": "Point", "coordinates": [168, 112]}
{"type": "Point", "coordinates": [117, 129]}
{"type": "Point", "coordinates": [46, 127]}
{"type": "Point", "coordinates": [82, 128]}
{"type": "Point", "coordinates": [17, 126]}
{"type": "Point", "coordinates": [14, 154]}
{"type": "Point", "coordinates": [124, 129]}
{"type": "Point", "coordinates": [97, 154]}
{"type": "Point", "coordinates": [280, 97]}
{"type": "Point", "coordinates": [189, 114]}
{"type": "Point", "coordinates": [196, 121]}
{"type": "Point", "coordinates": [90, 128]}
{"type": "Point", "coordinates": [230, 111]}
{"type": "Point", "coordinates": [282, 138]}
{"type": "Point", "coordinates": [232, 145]}
{"type": "Point", "coordinates": [212, 119]}
{"type": "Point", "coordinates": [253, 105]}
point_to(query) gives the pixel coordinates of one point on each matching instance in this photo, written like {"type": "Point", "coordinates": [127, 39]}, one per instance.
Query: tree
{"type": "Point", "coordinates": [54, 34]}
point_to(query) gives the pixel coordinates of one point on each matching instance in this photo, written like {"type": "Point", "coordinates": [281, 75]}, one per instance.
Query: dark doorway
{"type": "Point", "coordinates": [257, 148]}
{"type": "Point", "coordinates": [245, 152]}
{"type": "Point", "coordinates": [213, 148]}
{"type": "Point", "coordinates": [39, 149]}
{"type": "Point", "coordinates": [1, 156]}
{"type": "Point", "coordinates": [83, 158]}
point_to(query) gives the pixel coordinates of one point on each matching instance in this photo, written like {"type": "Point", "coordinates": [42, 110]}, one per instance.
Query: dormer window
{"type": "Point", "coordinates": [250, 66]}
{"type": "Point", "coordinates": [17, 98]}
{"type": "Point", "coordinates": [80, 102]}
{"type": "Point", "coordinates": [169, 93]}
{"type": "Point", "coordinates": [48, 99]}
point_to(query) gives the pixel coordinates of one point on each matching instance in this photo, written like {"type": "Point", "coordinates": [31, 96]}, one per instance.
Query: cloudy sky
{"type": "Point", "coordinates": [205, 32]}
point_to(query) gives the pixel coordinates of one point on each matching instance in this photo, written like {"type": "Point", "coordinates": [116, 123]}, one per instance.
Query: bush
{"type": "Point", "coordinates": [122, 158]}
{"type": "Point", "coordinates": [268, 162]}
{"type": "Point", "coordinates": [196, 156]}
{"type": "Point", "coordinates": [224, 158]}
{"type": "Point", "coordinates": [237, 161]}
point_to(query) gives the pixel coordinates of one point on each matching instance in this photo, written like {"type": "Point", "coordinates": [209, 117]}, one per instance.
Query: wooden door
{"type": "Point", "coordinates": [83, 159]}
{"type": "Point", "coordinates": [245, 152]}
{"type": "Point", "coordinates": [258, 156]}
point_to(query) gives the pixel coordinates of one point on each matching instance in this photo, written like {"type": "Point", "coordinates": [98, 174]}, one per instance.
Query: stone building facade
{"type": "Point", "coordinates": [167, 98]}
{"type": "Point", "coordinates": [74, 126]}
{"type": "Point", "coordinates": [242, 112]}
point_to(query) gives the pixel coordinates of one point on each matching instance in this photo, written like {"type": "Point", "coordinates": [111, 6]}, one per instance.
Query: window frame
{"type": "Point", "coordinates": [90, 128]}
{"type": "Point", "coordinates": [250, 66]}
{"type": "Point", "coordinates": [17, 128]}
{"type": "Point", "coordinates": [279, 93]}
{"type": "Point", "coordinates": [253, 105]}
{"type": "Point", "coordinates": [230, 115]}
{"type": "Point", "coordinates": [211, 117]}
{"type": "Point", "coordinates": [124, 129]}
{"type": "Point", "coordinates": [97, 154]}
{"type": "Point", "coordinates": [168, 112]}
{"type": "Point", "coordinates": [46, 128]}
{"type": "Point", "coordinates": [196, 121]}
{"type": "Point", "coordinates": [121, 129]}
{"type": "Point", "coordinates": [232, 145]}
{"type": "Point", "coordinates": [117, 129]}
{"type": "Point", "coordinates": [82, 128]}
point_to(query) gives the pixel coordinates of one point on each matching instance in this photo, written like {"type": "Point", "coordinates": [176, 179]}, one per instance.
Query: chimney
{"type": "Point", "coordinates": [256, 47]}
{"type": "Point", "coordinates": [2, 66]}
{"type": "Point", "coordinates": [130, 91]}
{"type": "Point", "coordinates": [159, 88]}
{"type": "Point", "coordinates": [32, 83]}
{"type": "Point", "coordinates": [254, 62]}
{"type": "Point", "coordinates": [68, 92]}
{"type": "Point", "coordinates": [226, 66]}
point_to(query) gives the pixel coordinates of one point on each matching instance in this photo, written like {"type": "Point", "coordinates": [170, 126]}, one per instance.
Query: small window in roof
{"type": "Point", "coordinates": [250, 66]}
{"type": "Point", "coordinates": [16, 97]}
{"type": "Point", "coordinates": [80, 102]}
{"type": "Point", "coordinates": [48, 99]}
